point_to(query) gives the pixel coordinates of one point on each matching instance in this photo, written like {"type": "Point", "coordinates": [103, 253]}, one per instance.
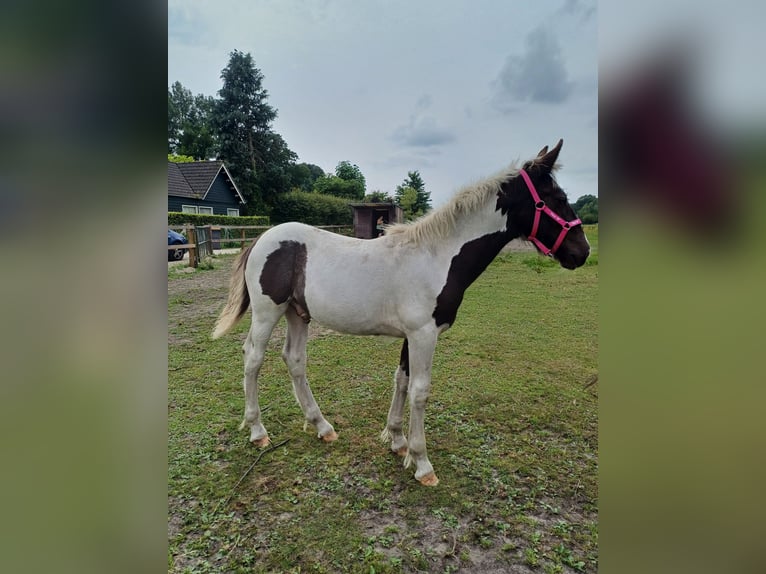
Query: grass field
{"type": "Point", "coordinates": [511, 427]}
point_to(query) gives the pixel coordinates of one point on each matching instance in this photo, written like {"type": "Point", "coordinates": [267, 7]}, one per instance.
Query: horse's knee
{"type": "Point", "coordinates": [253, 363]}
{"type": "Point", "coordinates": [296, 363]}
{"type": "Point", "coordinates": [419, 397]}
{"type": "Point", "coordinates": [401, 380]}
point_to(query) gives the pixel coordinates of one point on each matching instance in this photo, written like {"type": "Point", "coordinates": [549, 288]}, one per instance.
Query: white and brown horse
{"type": "Point", "coordinates": [407, 283]}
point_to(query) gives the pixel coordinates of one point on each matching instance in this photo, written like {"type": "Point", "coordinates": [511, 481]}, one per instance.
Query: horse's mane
{"type": "Point", "coordinates": [439, 223]}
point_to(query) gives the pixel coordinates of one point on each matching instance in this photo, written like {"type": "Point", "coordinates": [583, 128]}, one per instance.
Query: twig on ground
{"type": "Point", "coordinates": [241, 478]}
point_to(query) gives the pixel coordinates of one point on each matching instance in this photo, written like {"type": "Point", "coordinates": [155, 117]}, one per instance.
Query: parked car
{"type": "Point", "coordinates": [175, 238]}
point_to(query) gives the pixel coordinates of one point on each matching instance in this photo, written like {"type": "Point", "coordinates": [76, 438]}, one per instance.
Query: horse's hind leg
{"type": "Point", "coordinates": [393, 430]}
{"type": "Point", "coordinates": [254, 350]}
{"type": "Point", "coordinates": [421, 354]}
{"type": "Point", "coordinates": [294, 355]}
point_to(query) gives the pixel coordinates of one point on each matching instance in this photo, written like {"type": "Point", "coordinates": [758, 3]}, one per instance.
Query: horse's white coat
{"type": "Point", "coordinates": [384, 286]}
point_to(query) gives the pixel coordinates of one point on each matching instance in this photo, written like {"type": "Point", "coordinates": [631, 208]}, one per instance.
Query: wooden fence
{"type": "Point", "coordinates": [203, 239]}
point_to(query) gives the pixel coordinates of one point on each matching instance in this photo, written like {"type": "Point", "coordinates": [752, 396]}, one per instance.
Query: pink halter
{"type": "Point", "coordinates": [541, 207]}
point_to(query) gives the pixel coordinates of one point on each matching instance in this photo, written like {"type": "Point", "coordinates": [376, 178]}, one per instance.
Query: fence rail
{"type": "Point", "coordinates": [203, 239]}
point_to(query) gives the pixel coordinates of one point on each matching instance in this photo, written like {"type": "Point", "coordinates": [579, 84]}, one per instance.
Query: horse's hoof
{"type": "Point", "coordinates": [330, 437]}
{"type": "Point", "coordinates": [262, 442]}
{"type": "Point", "coordinates": [429, 480]}
{"type": "Point", "coordinates": [402, 451]}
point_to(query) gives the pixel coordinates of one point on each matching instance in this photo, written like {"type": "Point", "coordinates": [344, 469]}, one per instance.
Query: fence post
{"type": "Point", "coordinates": [191, 237]}
{"type": "Point", "coordinates": [242, 243]}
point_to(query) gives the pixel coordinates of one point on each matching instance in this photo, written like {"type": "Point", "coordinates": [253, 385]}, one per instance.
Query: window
{"type": "Point", "coordinates": [197, 209]}
{"type": "Point", "coordinates": [234, 212]}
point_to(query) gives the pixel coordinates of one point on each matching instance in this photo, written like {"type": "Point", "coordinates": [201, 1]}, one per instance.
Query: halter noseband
{"type": "Point", "coordinates": [540, 207]}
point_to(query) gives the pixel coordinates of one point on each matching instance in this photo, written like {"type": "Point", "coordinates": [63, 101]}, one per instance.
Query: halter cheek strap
{"type": "Point", "coordinates": [540, 207]}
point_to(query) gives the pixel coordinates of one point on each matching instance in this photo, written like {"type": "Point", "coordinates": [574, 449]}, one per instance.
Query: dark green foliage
{"type": "Point", "coordinates": [189, 124]}
{"type": "Point", "coordinates": [422, 199]}
{"type": "Point", "coordinates": [378, 197]}
{"type": "Point", "coordinates": [274, 176]}
{"type": "Point", "coordinates": [303, 175]}
{"type": "Point", "coordinates": [311, 208]}
{"type": "Point", "coordinates": [257, 157]}
{"type": "Point", "coordinates": [586, 208]}
{"type": "Point", "coordinates": [350, 172]}
{"type": "Point", "coordinates": [178, 218]}
{"type": "Point", "coordinates": [348, 182]}
{"type": "Point", "coordinates": [333, 185]}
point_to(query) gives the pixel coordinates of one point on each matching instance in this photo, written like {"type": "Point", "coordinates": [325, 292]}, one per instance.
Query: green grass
{"type": "Point", "coordinates": [511, 429]}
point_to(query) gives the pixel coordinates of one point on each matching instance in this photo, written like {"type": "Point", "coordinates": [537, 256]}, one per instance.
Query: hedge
{"type": "Point", "coordinates": [311, 208]}
{"type": "Point", "coordinates": [178, 218]}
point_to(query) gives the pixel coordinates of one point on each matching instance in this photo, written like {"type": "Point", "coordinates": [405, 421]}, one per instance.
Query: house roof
{"type": "Point", "coordinates": [194, 179]}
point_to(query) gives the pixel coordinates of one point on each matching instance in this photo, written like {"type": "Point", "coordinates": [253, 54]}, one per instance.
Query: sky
{"type": "Point", "coordinates": [455, 90]}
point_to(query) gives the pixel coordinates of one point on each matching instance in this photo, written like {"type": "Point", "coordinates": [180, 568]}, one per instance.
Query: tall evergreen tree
{"type": "Point", "coordinates": [422, 202]}
{"type": "Point", "coordinates": [243, 120]}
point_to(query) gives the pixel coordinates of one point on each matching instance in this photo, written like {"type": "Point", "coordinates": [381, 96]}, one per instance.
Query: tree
{"type": "Point", "coordinates": [378, 197]}
{"type": "Point", "coordinates": [586, 208]}
{"type": "Point", "coordinates": [273, 178]}
{"type": "Point", "coordinates": [190, 130]}
{"type": "Point", "coordinates": [348, 182]}
{"type": "Point", "coordinates": [175, 158]}
{"type": "Point", "coordinates": [258, 158]}
{"type": "Point", "coordinates": [303, 176]}
{"type": "Point", "coordinates": [422, 201]}
{"type": "Point", "coordinates": [352, 175]}
{"type": "Point", "coordinates": [334, 185]}
{"type": "Point", "coordinates": [407, 198]}
{"type": "Point", "coordinates": [350, 172]}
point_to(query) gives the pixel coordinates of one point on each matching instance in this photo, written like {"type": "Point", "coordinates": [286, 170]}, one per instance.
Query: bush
{"type": "Point", "coordinates": [311, 208]}
{"type": "Point", "coordinates": [177, 218]}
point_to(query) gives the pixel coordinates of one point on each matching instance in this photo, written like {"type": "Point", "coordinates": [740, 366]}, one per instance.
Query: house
{"type": "Point", "coordinates": [203, 187]}
{"type": "Point", "coordinates": [370, 217]}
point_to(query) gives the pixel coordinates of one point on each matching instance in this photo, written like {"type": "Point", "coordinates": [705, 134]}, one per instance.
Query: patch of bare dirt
{"type": "Point", "coordinates": [446, 547]}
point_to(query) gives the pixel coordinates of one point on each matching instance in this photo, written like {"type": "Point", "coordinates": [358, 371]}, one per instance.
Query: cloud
{"type": "Point", "coordinates": [188, 26]}
{"type": "Point", "coordinates": [538, 75]}
{"type": "Point", "coordinates": [582, 8]}
{"type": "Point", "coordinates": [422, 129]}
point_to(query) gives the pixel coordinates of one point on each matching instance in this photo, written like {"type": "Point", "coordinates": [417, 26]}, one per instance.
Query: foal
{"type": "Point", "coordinates": [407, 283]}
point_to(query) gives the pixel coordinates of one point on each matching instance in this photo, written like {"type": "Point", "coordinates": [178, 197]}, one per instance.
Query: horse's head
{"type": "Point", "coordinates": [538, 210]}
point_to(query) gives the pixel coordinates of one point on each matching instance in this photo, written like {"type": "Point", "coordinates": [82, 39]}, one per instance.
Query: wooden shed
{"type": "Point", "coordinates": [369, 217]}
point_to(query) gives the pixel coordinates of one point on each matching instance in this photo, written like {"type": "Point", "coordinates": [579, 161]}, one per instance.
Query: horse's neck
{"type": "Point", "coordinates": [473, 246]}
{"type": "Point", "coordinates": [484, 228]}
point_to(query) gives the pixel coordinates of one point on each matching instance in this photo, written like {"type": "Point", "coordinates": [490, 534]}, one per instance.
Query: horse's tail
{"type": "Point", "coordinates": [239, 298]}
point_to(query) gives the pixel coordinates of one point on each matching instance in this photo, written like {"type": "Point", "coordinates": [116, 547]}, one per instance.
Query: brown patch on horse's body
{"type": "Point", "coordinates": [470, 262]}
{"type": "Point", "coordinates": [283, 277]}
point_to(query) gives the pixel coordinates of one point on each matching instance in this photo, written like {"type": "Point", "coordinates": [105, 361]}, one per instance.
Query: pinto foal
{"type": "Point", "coordinates": [408, 283]}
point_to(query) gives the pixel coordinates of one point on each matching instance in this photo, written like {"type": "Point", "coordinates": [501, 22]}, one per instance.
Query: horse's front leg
{"type": "Point", "coordinates": [421, 354]}
{"type": "Point", "coordinates": [393, 430]}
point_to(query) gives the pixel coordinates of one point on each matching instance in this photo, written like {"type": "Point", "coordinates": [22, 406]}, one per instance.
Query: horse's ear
{"type": "Point", "coordinates": [548, 160]}
{"type": "Point", "coordinates": [542, 152]}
